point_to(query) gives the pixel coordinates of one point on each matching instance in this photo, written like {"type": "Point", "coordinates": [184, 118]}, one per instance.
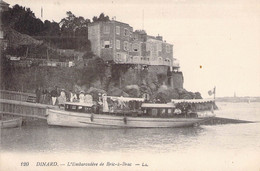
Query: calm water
{"type": "Point", "coordinates": [218, 147]}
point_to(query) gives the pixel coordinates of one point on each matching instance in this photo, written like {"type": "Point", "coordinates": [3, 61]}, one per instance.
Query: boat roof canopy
{"type": "Point", "coordinates": [191, 100]}
{"type": "Point", "coordinates": [79, 104]}
{"type": "Point", "coordinates": [125, 99]}
{"type": "Point", "coordinates": [158, 105]}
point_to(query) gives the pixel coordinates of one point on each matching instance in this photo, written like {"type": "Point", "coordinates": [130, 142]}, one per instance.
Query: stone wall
{"type": "Point", "coordinates": [177, 79]}
{"type": "Point", "coordinates": [152, 76]}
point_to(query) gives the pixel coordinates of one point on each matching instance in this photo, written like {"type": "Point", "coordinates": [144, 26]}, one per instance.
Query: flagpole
{"type": "Point", "coordinates": [214, 92]}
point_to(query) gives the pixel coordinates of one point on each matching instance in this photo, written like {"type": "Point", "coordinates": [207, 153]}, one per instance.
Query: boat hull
{"type": "Point", "coordinates": [11, 123]}
{"type": "Point", "coordinates": [74, 119]}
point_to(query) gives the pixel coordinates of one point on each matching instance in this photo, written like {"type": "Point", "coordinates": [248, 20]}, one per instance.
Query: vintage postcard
{"type": "Point", "coordinates": [129, 85]}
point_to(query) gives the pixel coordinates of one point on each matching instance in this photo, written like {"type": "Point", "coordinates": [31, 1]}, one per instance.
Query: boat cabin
{"type": "Point", "coordinates": [158, 109]}
{"type": "Point", "coordinates": [79, 107]}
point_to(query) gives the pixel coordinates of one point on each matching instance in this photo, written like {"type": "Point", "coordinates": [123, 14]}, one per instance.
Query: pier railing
{"type": "Point", "coordinates": [18, 96]}
{"type": "Point", "coordinates": [23, 109]}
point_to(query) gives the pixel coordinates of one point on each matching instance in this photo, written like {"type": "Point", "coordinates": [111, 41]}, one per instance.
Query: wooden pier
{"type": "Point", "coordinates": [22, 104]}
{"type": "Point", "coordinates": [24, 109]}
{"type": "Point", "coordinates": [18, 96]}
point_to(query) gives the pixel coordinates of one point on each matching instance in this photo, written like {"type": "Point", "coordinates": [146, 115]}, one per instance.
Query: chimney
{"type": "Point", "coordinates": [159, 37]}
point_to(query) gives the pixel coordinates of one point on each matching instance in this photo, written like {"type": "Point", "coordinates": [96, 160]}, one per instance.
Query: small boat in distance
{"type": "Point", "coordinates": [11, 123]}
{"type": "Point", "coordinates": [151, 115]}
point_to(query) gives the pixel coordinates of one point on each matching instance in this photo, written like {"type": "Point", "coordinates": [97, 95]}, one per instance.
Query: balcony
{"type": "Point", "coordinates": [126, 59]}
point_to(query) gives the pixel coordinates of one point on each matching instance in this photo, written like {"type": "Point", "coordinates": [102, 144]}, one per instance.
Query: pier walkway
{"type": "Point", "coordinates": [22, 104]}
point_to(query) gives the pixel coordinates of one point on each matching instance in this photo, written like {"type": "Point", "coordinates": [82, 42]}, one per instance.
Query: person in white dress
{"type": "Point", "coordinates": [105, 104]}
{"type": "Point", "coordinates": [62, 98]}
{"type": "Point", "coordinates": [81, 97]}
{"type": "Point", "coordinates": [73, 96]}
{"type": "Point", "coordinates": [88, 99]}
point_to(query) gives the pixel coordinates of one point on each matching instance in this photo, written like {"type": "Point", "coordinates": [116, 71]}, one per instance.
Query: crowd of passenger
{"type": "Point", "coordinates": [58, 96]}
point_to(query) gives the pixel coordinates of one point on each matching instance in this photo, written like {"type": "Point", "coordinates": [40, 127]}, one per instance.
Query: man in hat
{"type": "Point", "coordinates": [54, 95]}
{"type": "Point", "coordinates": [38, 93]}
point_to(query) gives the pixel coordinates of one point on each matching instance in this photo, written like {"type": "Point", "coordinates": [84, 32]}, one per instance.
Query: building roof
{"type": "Point", "coordinates": [110, 21]}
{"type": "Point", "coordinates": [4, 3]}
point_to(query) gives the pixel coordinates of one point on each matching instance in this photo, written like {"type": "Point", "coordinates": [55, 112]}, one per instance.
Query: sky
{"type": "Point", "coordinates": [222, 36]}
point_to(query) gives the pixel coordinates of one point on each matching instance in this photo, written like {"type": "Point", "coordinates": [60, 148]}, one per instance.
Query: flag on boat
{"type": "Point", "coordinates": [213, 91]}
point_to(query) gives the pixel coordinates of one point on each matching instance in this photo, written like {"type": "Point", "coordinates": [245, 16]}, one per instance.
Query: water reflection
{"type": "Point", "coordinates": [46, 138]}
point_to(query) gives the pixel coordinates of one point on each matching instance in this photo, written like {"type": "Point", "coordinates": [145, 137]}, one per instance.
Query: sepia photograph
{"type": "Point", "coordinates": [130, 85]}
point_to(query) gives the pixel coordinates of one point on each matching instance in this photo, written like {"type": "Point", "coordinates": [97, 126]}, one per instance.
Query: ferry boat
{"type": "Point", "coordinates": [151, 115]}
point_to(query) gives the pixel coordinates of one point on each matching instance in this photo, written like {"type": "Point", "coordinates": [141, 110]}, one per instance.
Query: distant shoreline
{"type": "Point", "coordinates": [246, 99]}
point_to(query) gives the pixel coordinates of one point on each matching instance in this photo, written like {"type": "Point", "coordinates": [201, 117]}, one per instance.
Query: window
{"type": "Point", "coordinates": [117, 30]}
{"type": "Point", "coordinates": [135, 37]}
{"type": "Point", "coordinates": [147, 47]}
{"type": "Point", "coordinates": [159, 47]}
{"type": "Point", "coordinates": [106, 29]}
{"type": "Point", "coordinates": [135, 47]}
{"type": "Point", "coordinates": [118, 44]}
{"type": "Point", "coordinates": [126, 33]}
{"type": "Point", "coordinates": [167, 48]}
{"type": "Point", "coordinates": [118, 56]}
{"type": "Point", "coordinates": [125, 46]}
{"type": "Point", "coordinates": [151, 48]}
{"type": "Point", "coordinates": [107, 44]}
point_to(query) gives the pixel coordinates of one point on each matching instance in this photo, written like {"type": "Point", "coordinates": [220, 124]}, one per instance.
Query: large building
{"type": "Point", "coordinates": [116, 41]}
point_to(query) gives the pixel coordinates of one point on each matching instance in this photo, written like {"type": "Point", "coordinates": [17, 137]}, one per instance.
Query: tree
{"type": "Point", "coordinates": [51, 28]}
{"type": "Point", "coordinates": [22, 20]}
{"type": "Point", "coordinates": [102, 17]}
{"type": "Point", "coordinates": [74, 26]}
{"type": "Point", "coordinates": [198, 95]}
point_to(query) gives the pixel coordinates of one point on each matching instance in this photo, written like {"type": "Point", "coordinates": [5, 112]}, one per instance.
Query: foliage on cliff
{"type": "Point", "coordinates": [70, 33]}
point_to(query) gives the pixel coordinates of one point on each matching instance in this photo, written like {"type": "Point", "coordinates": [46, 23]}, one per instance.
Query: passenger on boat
{"type": "Point", "coordinates": [158, 101]}
{"type": "Point", "coordinates": [121, 103]}
{"type": "Point", "coordinates": [177, 111]}
{"type": "Point", "coordinates": [54, 95]}
{"type": "Point", "coordinates": [99, 103]}
{"type": "Point", "coordinates": [44, 94]}
{"type": "Point", "coordinates": [38, 93]}
{"type": "Point", "coordinates": [88, 99]}
{"type": "Point", "coordinates": [48, 96]}
{"type": "Point", "coordinates": [62, 98]}
{"type": "Point", "coordinates": [146, 97]}
{"type": "Point", "coordinates": [105, 104]}
{"type": "Point", "coordinates": [100, 98]}
{"type": "Point", "coordinates": [73, 96]}
{"type": "Point", "coordinates": [81, 97]}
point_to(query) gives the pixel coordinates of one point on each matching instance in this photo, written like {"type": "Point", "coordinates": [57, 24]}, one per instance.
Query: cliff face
{"type": "Point", "coordinates": [153, 76]}
{"type": "Point", "coordinates": [177, 80]}
{"type": "Point", "coordinates": [28, 78]}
